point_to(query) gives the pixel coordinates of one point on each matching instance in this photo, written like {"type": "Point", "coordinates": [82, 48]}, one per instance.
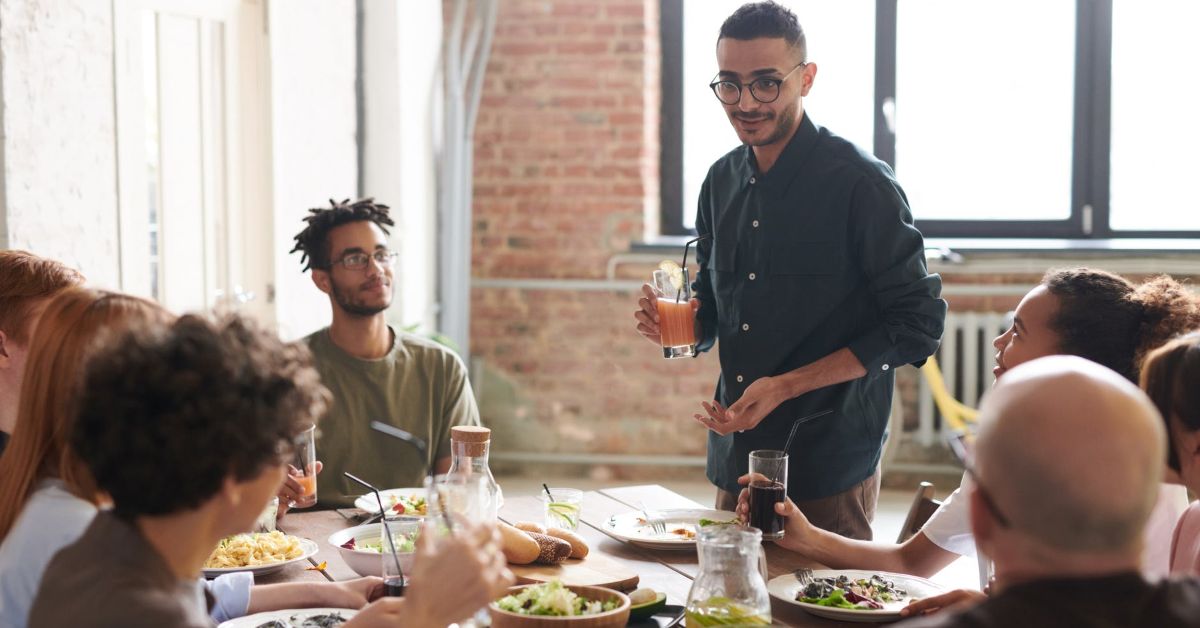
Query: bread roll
{"type": "Point", "coordinates": [553, 550]}
{"type": "Point", "coordinates": [518, 547]}
{"type": "Point", "coordinates": [579, 547]}
{"type": "Point", "coordinates": [530, 526]}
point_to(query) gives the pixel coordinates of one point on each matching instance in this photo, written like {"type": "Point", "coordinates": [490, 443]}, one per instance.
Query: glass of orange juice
{"type": "Point", "coordinates": [304, 469]}
{"type": "Point", "coordinates": [676, 320]}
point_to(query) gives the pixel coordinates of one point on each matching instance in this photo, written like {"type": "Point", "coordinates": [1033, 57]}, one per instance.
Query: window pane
{"type": "Point", "coordinates": [1155, 130]}
{"type": "Point", "coordinates": [841, 41]}
{"type": "Point", "coordinates": [984, 105]}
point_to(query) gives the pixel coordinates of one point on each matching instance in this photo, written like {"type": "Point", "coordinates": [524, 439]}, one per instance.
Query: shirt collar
{"type": "Point", "coordinates": [790, 160]}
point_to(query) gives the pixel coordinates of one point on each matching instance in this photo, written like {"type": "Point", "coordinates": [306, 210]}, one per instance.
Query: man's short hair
{"type": "Point", "coordinates": [169, 413]}
{"type": "Point", "coordinates": [313, 240]}
{"type": "Point", "coordinates": [765, 19]}
{"type": "Point", "coordinates": [25, 279]}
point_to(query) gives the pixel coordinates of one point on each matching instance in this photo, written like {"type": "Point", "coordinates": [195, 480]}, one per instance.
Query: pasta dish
{"type": "Point", "coordinates": [251, 550]}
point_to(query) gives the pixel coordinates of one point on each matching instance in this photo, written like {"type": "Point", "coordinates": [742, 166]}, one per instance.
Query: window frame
{"type": "Point", "coordinates": [1089, 218]}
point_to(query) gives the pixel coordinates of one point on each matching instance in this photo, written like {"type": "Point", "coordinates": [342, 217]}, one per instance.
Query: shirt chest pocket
{"type": "Point", "coordinates": [806, 276]}
{"type": "Point", "coordinates": [820, 258]}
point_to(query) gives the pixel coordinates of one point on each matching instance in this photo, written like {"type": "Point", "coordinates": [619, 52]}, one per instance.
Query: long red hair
{"type": "Point", "coordinates": [74, 325]}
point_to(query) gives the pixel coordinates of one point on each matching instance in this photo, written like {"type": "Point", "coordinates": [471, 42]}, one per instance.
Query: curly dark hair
{"type": "Point", "coordinates": [1169, 376]}
{"type": "Point", "coordinates": [1108, 319]}
{"type": "Point", "coordinates": [313, 240]}
{"type": "Point", "coordinates": [765, 19]}
{"type": "Point", "coordinates": [169, 413]}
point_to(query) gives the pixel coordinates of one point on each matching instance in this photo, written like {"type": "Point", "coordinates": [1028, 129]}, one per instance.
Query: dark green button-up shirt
{"type": "Point", "coordinates": [818, 254]}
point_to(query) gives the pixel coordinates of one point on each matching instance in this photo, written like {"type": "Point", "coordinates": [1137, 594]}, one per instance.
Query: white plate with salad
{"type": "Point", "coordinates": [293, 618]}
{"type": "Point", "coordinates": [679, 526]}
{"type": "Point", "coordinates": [398, 501]}
{"type": "Point", "coordinates": [853, 595]}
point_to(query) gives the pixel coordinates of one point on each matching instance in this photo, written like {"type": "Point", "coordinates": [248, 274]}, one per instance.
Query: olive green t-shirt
{"type": "Point", "coordinates": [420, 386]}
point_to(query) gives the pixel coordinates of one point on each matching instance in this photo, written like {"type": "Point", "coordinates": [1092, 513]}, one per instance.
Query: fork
{"type": "Point", "coordinates": [658, 525]}
{"type": "Point", "coordinates": [804, 575]}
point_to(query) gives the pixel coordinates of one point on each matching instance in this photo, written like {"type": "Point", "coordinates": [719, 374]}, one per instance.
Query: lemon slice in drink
{"type": "Point", "coordinates": [674, 272]}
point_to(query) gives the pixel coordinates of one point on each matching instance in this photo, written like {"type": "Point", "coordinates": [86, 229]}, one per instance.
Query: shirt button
{"type": "Point", "coordinates": [753, 180]}
{"type": "Point", "coordinates": [885, 367]}
{"type": "Point", "coordinates": [755, 223]}
{"type": "Point", "coordinates": [752, 276]}
{"type": "Point", "coordinates": [745, 326]}
{"type": "Point", "coordinates": [739, 379]}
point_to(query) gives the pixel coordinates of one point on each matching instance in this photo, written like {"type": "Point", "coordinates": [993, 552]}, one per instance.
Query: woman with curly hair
{"type": "Point", "coordinates": [48, 496]}
{"type": "Point", "coordinates": [1085, 312]}
{"type": "Point", "coordinates": [188, 428]}
{"type": "Point", "coordinates": [1171, 376]}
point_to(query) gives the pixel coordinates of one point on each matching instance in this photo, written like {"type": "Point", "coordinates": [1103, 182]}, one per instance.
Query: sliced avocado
{"type": "Point", "coordinates": [646, 609]}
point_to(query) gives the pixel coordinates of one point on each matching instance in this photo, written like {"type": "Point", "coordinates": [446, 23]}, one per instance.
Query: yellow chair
{"type": "Point", "coordinates": [957, 415]}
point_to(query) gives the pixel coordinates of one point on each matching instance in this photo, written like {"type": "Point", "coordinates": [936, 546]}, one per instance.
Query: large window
{"type": "Point", "coordinates": [1073, 124]}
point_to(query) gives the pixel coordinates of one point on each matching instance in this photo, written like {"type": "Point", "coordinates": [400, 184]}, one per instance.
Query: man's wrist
{"type": "Point", "coordinates": [794, 383]}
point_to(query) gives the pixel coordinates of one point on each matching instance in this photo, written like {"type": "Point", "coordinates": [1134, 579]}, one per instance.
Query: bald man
{"type": "Point", "coordinates": [1068, 462]}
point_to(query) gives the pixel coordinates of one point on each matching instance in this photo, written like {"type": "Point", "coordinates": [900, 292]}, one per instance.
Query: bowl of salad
{"type": "Point", "coordinates": [361, 547]}
{"type": "Point", "coordinates": [553, 605]}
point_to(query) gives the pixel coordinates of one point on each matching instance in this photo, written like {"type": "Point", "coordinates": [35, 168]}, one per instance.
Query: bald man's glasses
{"type": "Point", "coordinates": [987, 498]}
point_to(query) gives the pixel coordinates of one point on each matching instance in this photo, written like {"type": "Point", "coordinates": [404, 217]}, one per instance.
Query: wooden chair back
{"type": "Point", "coordinates": [923, 507]}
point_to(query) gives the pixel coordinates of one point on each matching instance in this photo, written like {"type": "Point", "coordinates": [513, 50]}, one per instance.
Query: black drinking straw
{"type": "Point", "coordinates": [679, 291]}
{"type": "Point", "coordinates": [387, 533]}
{"type": "Point", "coordinates": [787, 445]}
{"type": "Point", "coordinates": [547, 488]}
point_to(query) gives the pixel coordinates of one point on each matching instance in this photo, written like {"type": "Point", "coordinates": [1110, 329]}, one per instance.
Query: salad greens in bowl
{"type": "Point", "coordinates": [361, 547]}
{"type": "Point", "coordinates": [555, 604]}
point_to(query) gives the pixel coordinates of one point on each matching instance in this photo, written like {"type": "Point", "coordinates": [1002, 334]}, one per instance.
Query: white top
{"type": "Point", "coordinates": [52, 519]}
{"type": "Point", "coordinates": [950, 527]}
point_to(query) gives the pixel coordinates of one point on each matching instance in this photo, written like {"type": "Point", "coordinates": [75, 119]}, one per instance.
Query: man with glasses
{"type": "Point", "coordinates": [1067, 468]}
{"type": "Point", "coordinates": [812, 277]}
{"type": "Point", "coordinates": [375, 372]}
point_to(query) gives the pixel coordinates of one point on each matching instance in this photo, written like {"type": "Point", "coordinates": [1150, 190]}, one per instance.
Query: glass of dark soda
{"type": "Point", "coordinates": [768, 486]}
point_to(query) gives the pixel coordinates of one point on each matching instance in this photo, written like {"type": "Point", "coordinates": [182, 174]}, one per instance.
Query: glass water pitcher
{"type": "Point", "coordinates": [731, 589]}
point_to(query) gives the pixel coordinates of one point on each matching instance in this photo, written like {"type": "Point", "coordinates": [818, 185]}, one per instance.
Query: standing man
{"type": "Point", "coordinates": [26, 284]}
{"type": "Point", "coordinates": [375, 372]}
{"type": "Point", "coordinates": [812, 277]}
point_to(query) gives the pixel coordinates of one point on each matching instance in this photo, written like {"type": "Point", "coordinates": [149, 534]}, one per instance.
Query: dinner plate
{"type": "Point", "coordinates": [368, 503]}
{"type": "Point", "coordinates": [291, 617]}
{"type": "Point", "coordinates": [681, 524]}
{"type": "Point", "coordinates": [785, 588]}
{"type": "Point", "coordinates": [309, 548]}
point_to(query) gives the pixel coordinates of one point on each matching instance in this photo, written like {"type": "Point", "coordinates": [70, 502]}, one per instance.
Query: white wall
{"type": "Point", "coordinates": [314, 148]}
{"type": "Point", "coordinates": [58, 195]}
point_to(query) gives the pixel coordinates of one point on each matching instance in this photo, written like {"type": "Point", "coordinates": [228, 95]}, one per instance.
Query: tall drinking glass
{"type": "Point", "coordinates": [768, 486]}
{"type": "Point", "coordinates": [304, 468]}
{"type": "Point", "coordinates": [676, 320]}
{"type": "Point", "coordinates": [398, 553]}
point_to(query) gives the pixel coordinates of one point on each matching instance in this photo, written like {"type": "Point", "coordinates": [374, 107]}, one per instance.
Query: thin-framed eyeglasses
{"type": "Point", "coordinates": [765, 90]}
{"type": "Point", "coordinates": [359, 261]}
{"type": "Point", "coordinates": [987, 497]}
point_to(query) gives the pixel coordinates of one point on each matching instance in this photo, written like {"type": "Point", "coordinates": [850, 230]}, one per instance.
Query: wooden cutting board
{"type": "Point", "coordinates": [596, 570]}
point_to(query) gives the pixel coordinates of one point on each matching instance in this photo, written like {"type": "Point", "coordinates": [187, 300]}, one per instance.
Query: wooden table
{"type": "Point", "coordinates": [669, 571]}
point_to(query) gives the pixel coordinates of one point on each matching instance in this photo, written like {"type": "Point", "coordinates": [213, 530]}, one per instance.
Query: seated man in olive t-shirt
{"type": "Point", "coordinates": [374, 372]}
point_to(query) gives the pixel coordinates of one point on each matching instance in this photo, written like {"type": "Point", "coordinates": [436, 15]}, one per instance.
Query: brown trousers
{"type": "Point", "coordinates": [848, 513]}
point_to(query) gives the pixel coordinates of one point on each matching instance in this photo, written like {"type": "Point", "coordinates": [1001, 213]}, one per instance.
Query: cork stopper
{"type": "Point", "coordinates": [470, 434]}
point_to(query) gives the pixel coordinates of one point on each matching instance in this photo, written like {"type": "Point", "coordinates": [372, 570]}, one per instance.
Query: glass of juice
{"type": "Point", "coordinates": [768, 486]}
{"type": "Point", "coordinates": [398, 554]}
{"type": "Point", "coordinates": [676, 320]}
{"type": "Point", "coordinates": [304, 468]}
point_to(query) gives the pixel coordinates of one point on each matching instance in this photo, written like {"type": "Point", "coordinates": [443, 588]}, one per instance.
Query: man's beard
{"type": "Point", "coordinates": [785, 122]}
{"type": "Point", "coordinates": [354, 309]}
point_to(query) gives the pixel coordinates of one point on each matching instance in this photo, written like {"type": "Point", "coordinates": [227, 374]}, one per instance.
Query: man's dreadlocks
{"type": "Point", "coordinates": [313, 241]}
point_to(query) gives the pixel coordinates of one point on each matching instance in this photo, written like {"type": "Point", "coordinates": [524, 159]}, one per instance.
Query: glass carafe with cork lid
{"type": "Point", "coordinates": [469, 445]}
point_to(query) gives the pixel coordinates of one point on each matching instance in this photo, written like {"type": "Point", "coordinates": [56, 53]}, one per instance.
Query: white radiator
{"type": "Point", "coordinates": [966, 358]}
